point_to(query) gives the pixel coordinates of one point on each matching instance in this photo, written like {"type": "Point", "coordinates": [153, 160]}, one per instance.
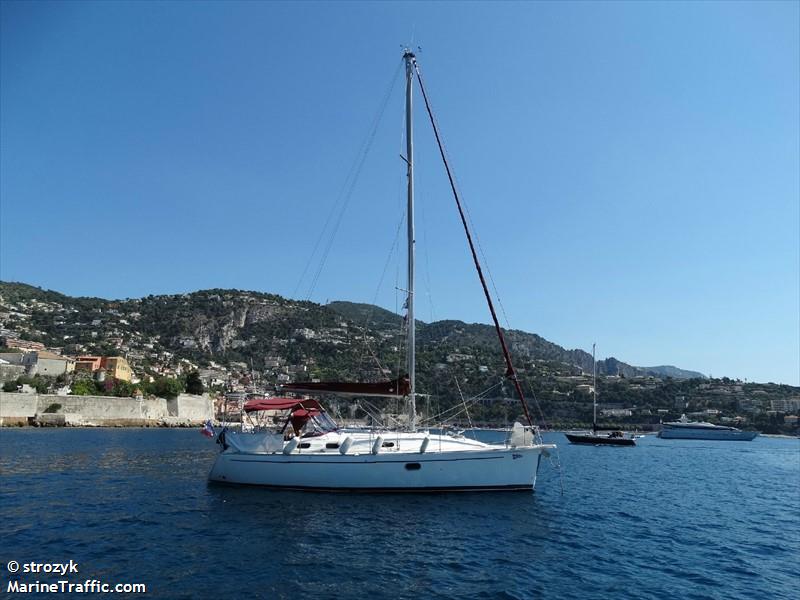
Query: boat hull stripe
{"type": "Point", "coordinates": [383, 490]}
{"type": "Point", "coordinates": [413, 458]}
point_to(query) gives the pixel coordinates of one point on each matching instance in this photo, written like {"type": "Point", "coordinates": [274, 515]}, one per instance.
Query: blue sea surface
{"type": "Point", "coordinates": [666, 519]}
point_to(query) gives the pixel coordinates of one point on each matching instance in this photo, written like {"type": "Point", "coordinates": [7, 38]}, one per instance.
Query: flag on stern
{"type": "Point", "coordinates": [208, 429]}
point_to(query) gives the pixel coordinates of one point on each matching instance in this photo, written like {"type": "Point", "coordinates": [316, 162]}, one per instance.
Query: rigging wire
{"type": "Point", "coordinates": [454, 183]}
{"type": "Point", "coordinates": [371, 310]}
{"type": "Point", "coordinates": [373, 305]}
{"type": "Point", "coordinates": [536, 403]}
{"type": "Point", "coordinates": [463, 401]}
{"type": "Point", "coordinates": [440, 416]}
{"type": "Point", "coordinates": [402, 346]}
{"type": "Point", "coordinates": [336, 214]}
{"type": "Point", "coordinates": [402, 213]}
{"type": "Point", "coordinates": [473, 228]}
{"type": "Point", "coordinates": [489, 271]}
{"type": "Point", "coordinates": [510, 373]}
{"type": "Point", "coordinates": [377, 414]}
{"type": "Point", "coordinates": [428, 286]}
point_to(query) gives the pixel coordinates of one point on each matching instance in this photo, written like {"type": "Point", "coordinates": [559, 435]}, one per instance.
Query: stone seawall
{"type": "Point", "coordinates": [103, 411]}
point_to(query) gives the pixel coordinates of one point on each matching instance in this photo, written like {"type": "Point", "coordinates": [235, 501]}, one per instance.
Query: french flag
{"type": "Point", "coordinates": [208, 429]}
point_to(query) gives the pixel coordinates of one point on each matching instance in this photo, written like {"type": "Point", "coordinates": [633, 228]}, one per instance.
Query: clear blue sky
{"type": "Point", "coordinates": [632, 168]}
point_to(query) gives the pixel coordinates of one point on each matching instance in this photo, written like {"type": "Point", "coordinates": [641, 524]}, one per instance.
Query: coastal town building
{"type": "Point", "coordinates": [118, 368]}
{"type": "Point", "coordinates": [305, 332]}
{"type": "Point", "coordinates": [616, 412]}
{"type": "Point", "coordinates": [212, 377]}
{"type": "Point", "coordinates": [88, 364]}
{"type": "Point", "coordinates": [114, 366]}
{"type": "Point", "coordinates": [785, 405]}
{"type": "Point", "coordinates": [459, 357]}
{"type": "Point", "coordinates": [9, 372]}
{"type": "Point", "coordinates": [13, 358]}
{"type": "Point", "coordinates": [13, 342]}
{"type": "Point", "coordinates": [273, 362]}
{"type": "Point", "coordinates": [42, 362]}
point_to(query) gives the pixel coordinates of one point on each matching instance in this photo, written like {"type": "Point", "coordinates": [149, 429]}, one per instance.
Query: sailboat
{"type": "Point", "coordinates": [310, 452]}
{"type": "Point", "coordinates": [595, 437]}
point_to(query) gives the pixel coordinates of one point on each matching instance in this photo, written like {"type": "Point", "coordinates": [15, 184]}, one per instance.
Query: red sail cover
{"type": "Point", "coordinates": [257, 404]}
{"type": "Point", "coordinates": [397, 387]}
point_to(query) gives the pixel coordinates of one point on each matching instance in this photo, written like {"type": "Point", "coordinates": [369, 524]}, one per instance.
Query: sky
{"type": "Point", "coordinates": [632, 170]}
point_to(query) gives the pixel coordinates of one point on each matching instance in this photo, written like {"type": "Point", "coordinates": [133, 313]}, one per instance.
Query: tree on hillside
{"type": "Point", "coordinates": [166, 387]}
{"type": "Point", "coordinates": [83, 387]}
{"type": "Point", "coordinates": [122, 389]}
{"type": "Point", "coordinates": [193, 383]}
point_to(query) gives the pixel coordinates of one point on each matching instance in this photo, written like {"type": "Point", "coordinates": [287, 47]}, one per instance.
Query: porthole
{"type": "Point", "coordinates": [413, 466]}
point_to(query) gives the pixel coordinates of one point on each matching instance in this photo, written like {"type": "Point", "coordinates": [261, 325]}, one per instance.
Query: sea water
{"type": "Point", "coordinates": [666, 519]}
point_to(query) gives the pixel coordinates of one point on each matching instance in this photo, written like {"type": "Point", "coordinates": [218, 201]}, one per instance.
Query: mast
{"type": "Point", "coordinates": [408, 56]}
{"type": "Point", "coordinates": [594, 391]}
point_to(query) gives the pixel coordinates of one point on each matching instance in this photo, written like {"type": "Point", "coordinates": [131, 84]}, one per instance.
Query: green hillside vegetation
{"type": "Point", "coordinates": [253, 335]}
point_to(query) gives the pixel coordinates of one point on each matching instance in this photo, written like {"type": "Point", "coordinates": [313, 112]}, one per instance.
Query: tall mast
{"type": "Point", "coordinates": [594, 391]}
{"type": "Point", "coordinates": [408, 56]}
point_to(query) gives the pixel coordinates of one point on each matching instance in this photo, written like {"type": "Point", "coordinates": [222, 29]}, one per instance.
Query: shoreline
{"type": "Point", "coordinates": [110, 424]}
{"type": "Point", "coordinates": [192, 424]}
{"type": "Point", "coordinates": [49, 410]}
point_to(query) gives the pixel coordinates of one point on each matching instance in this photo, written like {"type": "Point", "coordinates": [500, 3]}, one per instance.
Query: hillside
{"type": "Point", "coordinates": [241, 339]}
{"type": "Point", "coordinates": [224, 326]}
{"type": "Point", "coordinates": [209, 327]}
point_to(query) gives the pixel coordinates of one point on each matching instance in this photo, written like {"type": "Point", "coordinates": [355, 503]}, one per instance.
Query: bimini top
{"type": "Point", "coordinates": [312, 406]}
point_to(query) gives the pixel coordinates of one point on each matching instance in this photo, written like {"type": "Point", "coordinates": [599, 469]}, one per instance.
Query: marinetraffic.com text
{"type": "Point", "coordinates": [87, 586]}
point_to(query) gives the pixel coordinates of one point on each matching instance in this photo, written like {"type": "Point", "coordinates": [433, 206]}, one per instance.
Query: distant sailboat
{"type": "Point", "coordinates": [610, 438]}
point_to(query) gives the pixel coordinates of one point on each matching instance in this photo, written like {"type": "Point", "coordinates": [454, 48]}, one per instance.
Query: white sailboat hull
{"type": "Point", "coordinates": [472, 470]}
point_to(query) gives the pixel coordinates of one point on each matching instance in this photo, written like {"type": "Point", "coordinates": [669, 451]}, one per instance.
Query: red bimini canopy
{"type": "Point", "coordinates": [257, 404]}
